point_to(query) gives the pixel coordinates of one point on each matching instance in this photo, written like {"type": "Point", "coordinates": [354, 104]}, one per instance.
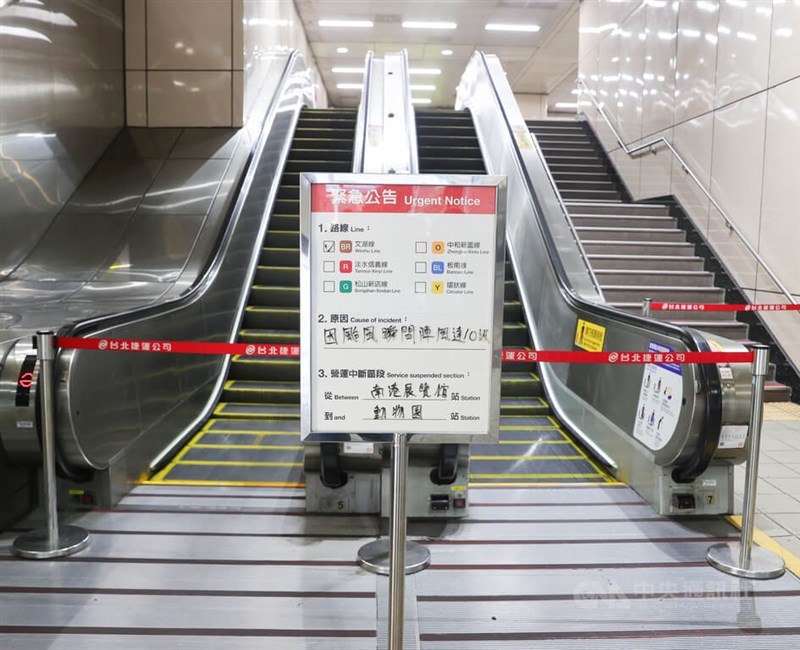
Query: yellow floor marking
{"type": "Point", "coordinates": [211, 445]}
{"type": "Point", "coordinates": [765, 541]}
{"type": "Point", "coordinates": [278, 484]}
{"type": "Point", "coordinates": [507, 476]}
{"type": "Point", "coordinates": [781, 411]}
{"type": "Point", "coordinates": [234, 463]}
{"type": "Point", "coordinates": [526, 457]}
{"type": "Point", "coordinates": [524, 428]}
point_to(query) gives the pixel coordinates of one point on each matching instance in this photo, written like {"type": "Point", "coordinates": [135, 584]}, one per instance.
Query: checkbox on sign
{"type": "Point", "coordinates": [329, 266]}
{"type": "Point", "coordinates": [420, 267]}
{"type": "Point", "coordinates": [329, 287]}
{"type": "Point", "coordinates": [421, 247]}
{"type": "Point", "coordinates": [328, 246]}
{"type": "Point", "coordinates": [420, 287]}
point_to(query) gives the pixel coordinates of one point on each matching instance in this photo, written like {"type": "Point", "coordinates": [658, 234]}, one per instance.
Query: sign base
{"type": "Point", "coordinates": [764, 564]}
{"type": "Point", "coordinates": [374, 557]}
{"type": "Point", "coordinates": [35, 544]}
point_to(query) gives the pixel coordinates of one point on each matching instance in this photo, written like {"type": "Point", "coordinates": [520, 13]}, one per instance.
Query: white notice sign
{"type": "Point", "coordinates": [660, 400]}
{"type": "Point", "coordinates": [399, 308]}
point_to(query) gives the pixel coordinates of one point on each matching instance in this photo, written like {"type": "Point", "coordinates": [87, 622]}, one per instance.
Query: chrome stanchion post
{"type": "Point", "coordinates": [741, 558]}
{"type": "Point", "coordinates": [52, 541]}
{"type": "Point", "coordinates": [397, 541]}
{"type": "Point", "coordinates": [646, 305]}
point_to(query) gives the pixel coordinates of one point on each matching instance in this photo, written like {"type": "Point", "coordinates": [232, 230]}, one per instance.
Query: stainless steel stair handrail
{"type": "Point", "coordinates": [651, 146]}
{"type": "Point", "coordinates": [410, 119]}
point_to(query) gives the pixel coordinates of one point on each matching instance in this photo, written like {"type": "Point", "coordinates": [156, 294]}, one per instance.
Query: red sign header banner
{"type": "Point", "coordinates": [695, 306]}
{"type": "Point", "coordinates": [423, 199]}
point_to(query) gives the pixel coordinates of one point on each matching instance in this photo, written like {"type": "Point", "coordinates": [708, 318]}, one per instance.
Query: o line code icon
{"type": "Point", "coordinates": [437, 247]}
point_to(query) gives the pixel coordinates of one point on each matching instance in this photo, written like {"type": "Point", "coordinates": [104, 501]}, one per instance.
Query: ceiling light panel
{"type": "Point", "coordinates": [422, 87]}
{"type": "Point", "coordinates": [511, 27]}
{"type": "Point", "coordinates": [421, 100]}
{"type": "Point", "coordinates": [425, 71]}
{"type": "Point", "coordinates": [428, 24]}
{"type": "Point", "coordinates": [345, 23]}
{"type": "Point", "coordinates": [342, 50]}
{"type": "Point", "coordinates": [350, 86]}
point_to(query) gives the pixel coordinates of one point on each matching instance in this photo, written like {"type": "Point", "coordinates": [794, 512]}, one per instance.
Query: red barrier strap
{"type": "Point", "coordinates": [695, 306]}
{"type": "Point", "coordinates": [677, 358]}
{"type": "Point", "coordinates": [180, 347]}
{"type": "Point", "coordinates": [513, 356]}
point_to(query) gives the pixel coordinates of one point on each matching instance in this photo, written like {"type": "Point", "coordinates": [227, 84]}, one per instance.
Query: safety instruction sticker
{"type": "Point", "coordinates": [589, 336]}
{"type": "Point", "coordinates": [732, 436]}
{"type": "Point", "coordinates": [401, 286]}
{"type": "Point", "coordinates": [660, 398]}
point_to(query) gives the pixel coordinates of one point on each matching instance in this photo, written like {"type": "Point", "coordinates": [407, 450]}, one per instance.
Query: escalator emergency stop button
{"type": "Point", "coordinates": [683, 501]}
{"type": "Point", "coordinates": [459, 502]}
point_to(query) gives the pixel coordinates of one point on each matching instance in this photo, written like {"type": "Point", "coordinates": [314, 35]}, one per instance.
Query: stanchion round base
{"type": "Point", "coordinates": [374, 557]}
{"type": "Point", "coordinates": [35, 544]}
{"type": "Point", "coordinates": [764, 564]}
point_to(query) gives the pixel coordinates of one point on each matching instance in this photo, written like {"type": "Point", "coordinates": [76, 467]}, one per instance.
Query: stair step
{"type": "Point", "coordinates": [645, 262]}
{"type": "Point", "coordinates": [567, 149]}
{"type": "Point", "coordinates": [281, 318]}
{"type": "Point", "coordinates": [733, 329]}
{"type": "Point", "coordinates": [775, 392]}
{"type": "Point", "coordinates": [560, 176]}
{"type": "Point", "coordinates": [582, 184]}
{"type": "Point", "coordinates": [274, 296]}
{"type": "Point", "coordinates": [657, 248]}
{"type": "Point", "coordinates": [280, 336]}
{"type": "Point", "coordinates": [616, 221]}
{"type": "Point", "coordinates": [264, 369]}
{"type": "Point", "coordinates": [658, 277]}
{"type": "Point", "coordinates": [637, 209]}
{"type": "Point", "coordinates": [635, 293]}
{"type": "Point", "coordinates": [591, 233]}
{"type": "Point", "coordinates": [261, 392]}
{"type": "Point", "coordinates": [278, 275]}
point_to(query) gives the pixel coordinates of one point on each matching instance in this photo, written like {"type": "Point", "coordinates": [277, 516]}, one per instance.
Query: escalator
{"type": "Point", "coordinates": [534, 447]}
{"type": "Point", "coordinates": [253, 437]}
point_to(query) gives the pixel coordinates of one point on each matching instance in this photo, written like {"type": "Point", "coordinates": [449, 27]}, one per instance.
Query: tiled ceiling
{"type": "Point", "coordinates": [534, 62]}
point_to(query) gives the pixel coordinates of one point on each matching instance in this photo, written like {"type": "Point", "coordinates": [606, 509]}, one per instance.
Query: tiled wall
{"type": "Point", "coordinates": [197, 62]}
{"type": "Point", "coordinates": [720, 79]}
{"type": "Point", "coordinates": [61, 103]}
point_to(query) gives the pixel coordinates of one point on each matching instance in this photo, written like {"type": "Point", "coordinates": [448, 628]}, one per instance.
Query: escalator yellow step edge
{"type": "Point", "coordinates": [280, 310]}
{"type": "Point", "coordinates": [229, 386]}
{"type": "Point", "coordinates": [275, 484]}
{"type": "Point", "coordinates": [209, 445]}
{"type": "Point", "coordinates": [236, 463]}
{"type": "Point", "coordinates": [533, 476]}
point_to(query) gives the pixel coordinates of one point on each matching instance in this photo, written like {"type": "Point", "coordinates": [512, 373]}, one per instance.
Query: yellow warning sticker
{"type": "Point", "coordinates": [590, 336]}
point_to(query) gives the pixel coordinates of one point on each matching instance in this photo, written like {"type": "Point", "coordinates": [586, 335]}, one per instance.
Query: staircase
{"type": "Point", "coordinates": [636, 250]}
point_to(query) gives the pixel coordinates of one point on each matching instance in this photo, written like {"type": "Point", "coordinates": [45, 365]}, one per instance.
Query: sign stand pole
{"type": "Point", "coordinates": [52, 541]}
{"type": "Point", "coordinates": [397, 540]}
{"type": "Point", "coordinates": [380, 556]}
{"type": "Point", "coordinates": [742, 559]}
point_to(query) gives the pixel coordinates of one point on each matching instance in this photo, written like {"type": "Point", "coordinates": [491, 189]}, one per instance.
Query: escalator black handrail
{"type": "Point", "coordinates": [84, 327]}
{"type": "Point", "coordinates": [709, 373]}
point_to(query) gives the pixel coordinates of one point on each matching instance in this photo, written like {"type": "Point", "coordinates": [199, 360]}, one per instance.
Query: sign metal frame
{"type": "Point", "coordinates": [306, 317]}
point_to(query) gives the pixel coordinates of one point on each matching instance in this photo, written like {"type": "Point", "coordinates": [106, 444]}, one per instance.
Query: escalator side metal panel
{"type": "Point", "coordinates": [598, 403]}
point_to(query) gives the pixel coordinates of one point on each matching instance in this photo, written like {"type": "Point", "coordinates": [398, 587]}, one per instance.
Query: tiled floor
{"type": "Point", "coordinates": [778, 496]}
